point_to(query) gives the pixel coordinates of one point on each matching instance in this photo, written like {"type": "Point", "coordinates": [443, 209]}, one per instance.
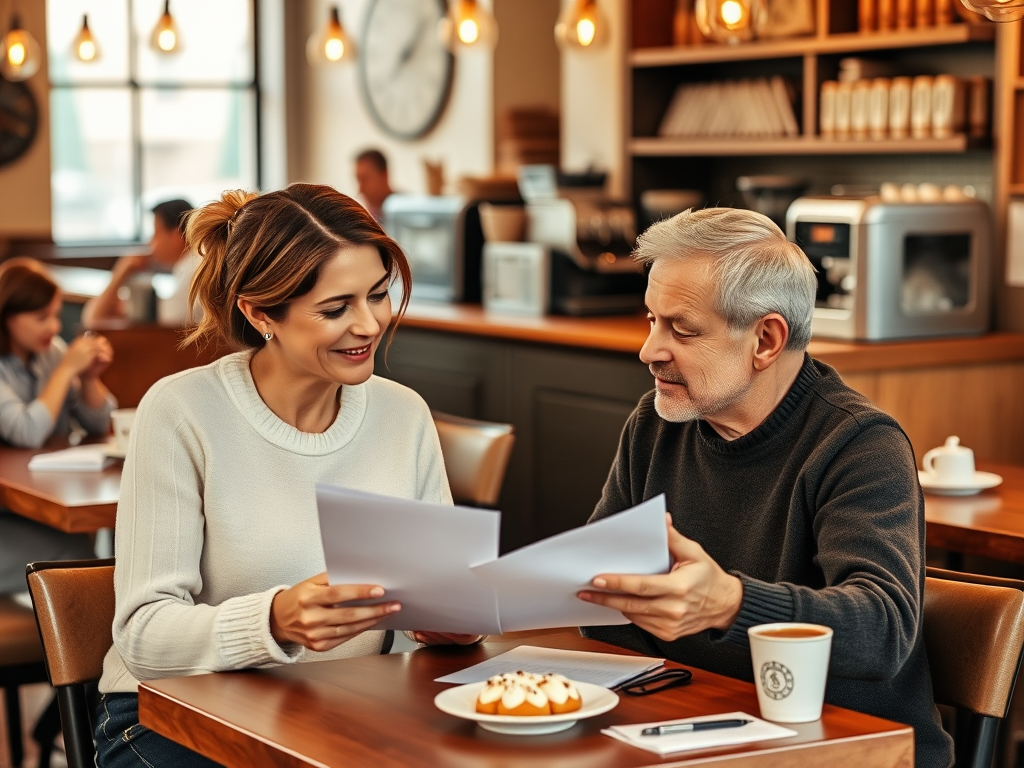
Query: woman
{"type": "Point", "coordinates": [219, 558]}
{"type": "Point", "coordinates": [43, 384]}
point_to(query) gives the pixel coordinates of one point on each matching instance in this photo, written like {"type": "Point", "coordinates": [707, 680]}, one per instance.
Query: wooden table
{"type": "Point", "coordinates": [990, 523]}
{"type": "Point", "coordinates": [74, 502]}
{"type": "Point", "coordinates": [378, 711]}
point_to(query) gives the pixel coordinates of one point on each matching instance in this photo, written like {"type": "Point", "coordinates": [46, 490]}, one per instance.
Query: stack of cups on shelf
{"type": "Point", "coordinates": [922, 107]}
{"type": "Point", "coordinates": [886, 15]}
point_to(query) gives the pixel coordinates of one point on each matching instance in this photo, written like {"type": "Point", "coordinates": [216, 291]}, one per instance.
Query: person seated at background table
{"type": "Point", "coordinates": [219, 558]}
{"type": "Point", "coordinates": [371, 170]}
{"type": "Point", "coordinates": [791, 497]}
{"type": "Point", "coordinates": [167, 251]}
{"type": "Point", "coordinates": [44, 384]}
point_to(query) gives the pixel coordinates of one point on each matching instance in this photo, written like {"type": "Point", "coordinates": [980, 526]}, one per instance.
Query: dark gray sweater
{"type": "Point", "coordinates": [820, 513]}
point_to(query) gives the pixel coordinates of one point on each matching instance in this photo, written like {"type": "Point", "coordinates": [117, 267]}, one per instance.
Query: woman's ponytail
{"type": "Point", "coordinates": [208, 233]}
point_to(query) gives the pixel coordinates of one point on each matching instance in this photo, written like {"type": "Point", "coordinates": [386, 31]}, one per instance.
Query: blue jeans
{"type": "Point", "coordinates": [122, 743]}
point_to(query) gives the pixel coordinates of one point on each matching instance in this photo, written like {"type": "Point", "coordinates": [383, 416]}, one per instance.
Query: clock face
{"type": "Point", "coordinates": [19, 120]}
{"type": "Point", "coordinates": [405, 73]}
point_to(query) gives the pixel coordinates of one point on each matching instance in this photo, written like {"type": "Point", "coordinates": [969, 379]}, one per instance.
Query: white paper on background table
{"type": "Point", "coordinates": [756, 730]}
{"type": "Point", "coordinates": [440, 562]}
{"type": "Point", "coordinates": [81, 458]}
{"type": "Point", "coordinates": [607, 669]}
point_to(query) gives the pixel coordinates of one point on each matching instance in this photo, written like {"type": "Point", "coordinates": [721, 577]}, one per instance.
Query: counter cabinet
{"type": "Point", "coordinates": [568, 404]}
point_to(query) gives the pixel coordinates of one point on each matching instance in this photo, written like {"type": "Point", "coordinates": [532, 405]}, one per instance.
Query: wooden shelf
{"type": "Point", "coordinates": [852, 42]}
{"type": "Point", "coordinates": [1015, 189]}
{"type": "Point", "coordinates": [724, 147]}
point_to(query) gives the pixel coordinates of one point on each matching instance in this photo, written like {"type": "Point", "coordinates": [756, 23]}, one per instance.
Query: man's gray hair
{"type": "Point", "coordinates": [755, 268]}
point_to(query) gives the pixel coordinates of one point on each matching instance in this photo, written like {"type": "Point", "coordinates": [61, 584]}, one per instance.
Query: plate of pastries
{"type": "Point", "coordinates": [526, 703]}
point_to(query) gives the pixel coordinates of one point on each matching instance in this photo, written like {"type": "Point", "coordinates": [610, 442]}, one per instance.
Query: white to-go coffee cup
{"type": "Point", "coordinates": [790, 669]}
{"type": "Point", "coordinates": [950, 463]}
{"type": "Point", "coordinates": [122, 420]}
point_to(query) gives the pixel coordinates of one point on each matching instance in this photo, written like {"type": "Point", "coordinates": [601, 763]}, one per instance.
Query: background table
{"type": "Point", "coordinates": [75, 502]}
{"type": "Point", "coordinates": [378, 711]}
{"type": "Point", "coordinates": [990, 523]}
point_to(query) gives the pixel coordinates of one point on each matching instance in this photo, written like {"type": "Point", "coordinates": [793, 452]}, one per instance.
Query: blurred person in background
{"type": "Point", "coordinates": [44, 384]}
{"type": "Point", "coordinates": [168, 251]}
{"type": "Point", "coordinates": [371, 171]}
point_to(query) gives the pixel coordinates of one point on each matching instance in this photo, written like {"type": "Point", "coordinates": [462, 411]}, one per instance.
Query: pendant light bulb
{"type": "Point", "coordinates": [466, 25]}
{"type": "Point", "coordinates": [332, 44]}
{"type": "Point", "coordinates": [21, 54]}
{"type": "Point", "coordinates": [997, 10]}
{"type": "Point", "coordinates": [580, 26]}
{"type": "Point", "coordinates": [84, 46]}
{"type": "Point", "coordinates": [165, 37]}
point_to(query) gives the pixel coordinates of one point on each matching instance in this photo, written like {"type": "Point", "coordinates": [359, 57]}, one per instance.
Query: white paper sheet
{"type": "Point", "coordinates": [607, 669]}
{"type": "Point", "coordinates": [757, 730]}
{"type": "Point", "coordinates": [440, 562]}
{"type": "Point", "coordinates": [420, 553]}
{"type": "Point", "coordinates": [537, 585]}
{"type": "Point", "coordinates": [81, 458]}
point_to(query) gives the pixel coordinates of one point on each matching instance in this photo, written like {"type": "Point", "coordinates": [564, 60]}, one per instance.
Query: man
{"type": "Point", "coordinates": [167, 251]}
{"type": "Point", "coordinates": [792, 498]}
{"type": "Point", "coordinates": [371, 169]}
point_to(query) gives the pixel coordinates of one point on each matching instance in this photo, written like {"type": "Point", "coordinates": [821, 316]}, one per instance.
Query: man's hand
{"type": "Point", "coordinates": [695, 595]}
{"type": "Point", "coordinates": [127, 266]}
{"type": "Point", "coordinates": [445, 638]}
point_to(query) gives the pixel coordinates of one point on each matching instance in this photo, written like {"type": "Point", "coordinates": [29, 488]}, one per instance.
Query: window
{"type": "Point", "coordinates": [137, 127]}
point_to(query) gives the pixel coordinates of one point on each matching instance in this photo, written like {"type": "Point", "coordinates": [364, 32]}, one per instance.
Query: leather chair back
{"type": "Point", "coordinates": [974, 635]}
{"type": "Point", "coordinates": [476, 454]}
{"type": "Point", "coordinates": [74, 605]}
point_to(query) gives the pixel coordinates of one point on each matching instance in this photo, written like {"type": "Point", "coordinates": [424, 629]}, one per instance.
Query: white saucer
{"type": "Point", "coordinates": [461, 702]}
{"type": "Point", "coordinates": [111, 449]}
{"type": "Point", "coordinates": [979, 482]}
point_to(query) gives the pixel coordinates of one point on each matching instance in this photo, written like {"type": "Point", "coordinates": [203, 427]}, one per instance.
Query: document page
{"type": "Point", "coordinates": [420, 553]}
{"type": "Point", "coordinates": [537, 585]}
{"type": "Point", "coordinates": [607, 669]}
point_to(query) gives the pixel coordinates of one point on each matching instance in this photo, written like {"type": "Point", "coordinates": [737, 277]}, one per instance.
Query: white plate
{"type": "Point", "coordinates": [979, 482]}
{"type": "Point", "coordinates": [461, 702]}
{"type": "Point", "coordinates": [111, 449]}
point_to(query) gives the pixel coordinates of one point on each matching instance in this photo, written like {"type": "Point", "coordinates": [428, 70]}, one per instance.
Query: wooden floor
{"type": "Point", "coordinates": [34, 699]}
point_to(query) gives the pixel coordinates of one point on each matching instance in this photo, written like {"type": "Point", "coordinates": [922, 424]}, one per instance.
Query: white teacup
{"type": "Point", "coordinates": [790, 669]}
{"type": "Point", "coordinates": [950, 463]}
{"type": "Point", "coordinates": [122, 419]}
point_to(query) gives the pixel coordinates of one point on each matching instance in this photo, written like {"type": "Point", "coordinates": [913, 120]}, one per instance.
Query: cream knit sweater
{"type": "Point", "coordinates": [217, 514]}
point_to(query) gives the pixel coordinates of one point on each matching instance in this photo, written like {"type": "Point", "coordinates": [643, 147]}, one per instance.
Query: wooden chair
{"type": "Point", "coordinates": [74, 605]}
{"type": "Point", "coordinates": [974, 634]}
{"type": "Point", "coordinates": [21, 663]}
{"type": "Point", "coordinates": [476, 454]}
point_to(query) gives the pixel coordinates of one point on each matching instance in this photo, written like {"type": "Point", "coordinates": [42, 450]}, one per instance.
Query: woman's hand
{"type": "Point", "coordinates": [87, 354]}
{"type": "Point", "coordinates": [308, 613]}
{"type": "Point", "coordinates": [446, 638]}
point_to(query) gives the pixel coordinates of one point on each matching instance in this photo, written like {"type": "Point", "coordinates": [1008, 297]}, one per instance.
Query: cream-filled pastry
{"type": "Point", "coordinates": [527, 694]}
{"type": "Point", "coordinates": [562, 694]}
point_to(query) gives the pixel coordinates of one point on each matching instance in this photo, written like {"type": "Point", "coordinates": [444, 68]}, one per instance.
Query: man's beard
{"type": "Point", "coordinates": [690, 408]}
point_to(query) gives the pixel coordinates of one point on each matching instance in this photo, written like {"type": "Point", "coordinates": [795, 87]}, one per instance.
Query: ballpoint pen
{"type": "Point", "coordinates": [705, 725]}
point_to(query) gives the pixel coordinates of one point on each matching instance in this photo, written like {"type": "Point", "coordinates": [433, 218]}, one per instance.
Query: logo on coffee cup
{"type": "Point", "coordinates": [776, 680]}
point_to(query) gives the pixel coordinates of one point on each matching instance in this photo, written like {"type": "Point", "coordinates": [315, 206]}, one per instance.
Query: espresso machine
{"type": "Point", "coordinates": [577, 258]}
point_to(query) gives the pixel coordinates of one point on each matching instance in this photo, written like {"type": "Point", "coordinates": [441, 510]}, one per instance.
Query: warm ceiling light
{"type": "Point", "coordinates": [997, 10]}
{"type": "Point", "coordinates": [84, 46]}
{"type": "Point", "coordinates": [21, 55]}
{"type": "Point", "coordinates": [580, 25]}
{"type": "Point", "coordinates": [165, 37]}
{"type": "Point", "coordinates": [467, 24]}
{"type": "Point", "coordinates": [332, 44]}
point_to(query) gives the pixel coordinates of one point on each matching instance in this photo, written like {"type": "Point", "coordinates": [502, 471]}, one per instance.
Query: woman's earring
{"type": "Point", "coordinates": [268, 336]}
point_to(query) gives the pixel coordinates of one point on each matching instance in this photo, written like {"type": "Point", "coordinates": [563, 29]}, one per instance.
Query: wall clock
{"type": "Point", "coordinates": [405, 74]}
{"type": "Point", "coordinates": [19, 120]}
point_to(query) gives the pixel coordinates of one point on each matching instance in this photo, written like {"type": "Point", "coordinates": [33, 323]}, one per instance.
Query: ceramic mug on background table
{"type": "Point", "coordinates": [790, 669]}
{"type": "Point", "coordinates": [122, 420]}
{"type": "Point", "coordinates": [950, 463]}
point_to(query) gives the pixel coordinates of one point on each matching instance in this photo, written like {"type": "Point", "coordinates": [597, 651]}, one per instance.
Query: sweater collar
{"type": "Point", "coordinates": [805, 381]}
{"type": "Point", "coordinates": [237, 378]}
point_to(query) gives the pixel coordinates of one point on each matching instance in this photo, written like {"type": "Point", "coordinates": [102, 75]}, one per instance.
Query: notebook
{"type": "Point", "coordinates": [81, 458]}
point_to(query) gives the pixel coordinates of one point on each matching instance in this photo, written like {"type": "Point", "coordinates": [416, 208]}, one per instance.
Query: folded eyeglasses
{"type": "Point", "coordinates": [654, 681]}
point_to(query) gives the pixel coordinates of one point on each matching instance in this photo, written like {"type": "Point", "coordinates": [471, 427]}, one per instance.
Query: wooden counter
{"type": "Point", "coordinates": [627, 334]}
{"type": "Point", "coordinates": [567, 385]}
